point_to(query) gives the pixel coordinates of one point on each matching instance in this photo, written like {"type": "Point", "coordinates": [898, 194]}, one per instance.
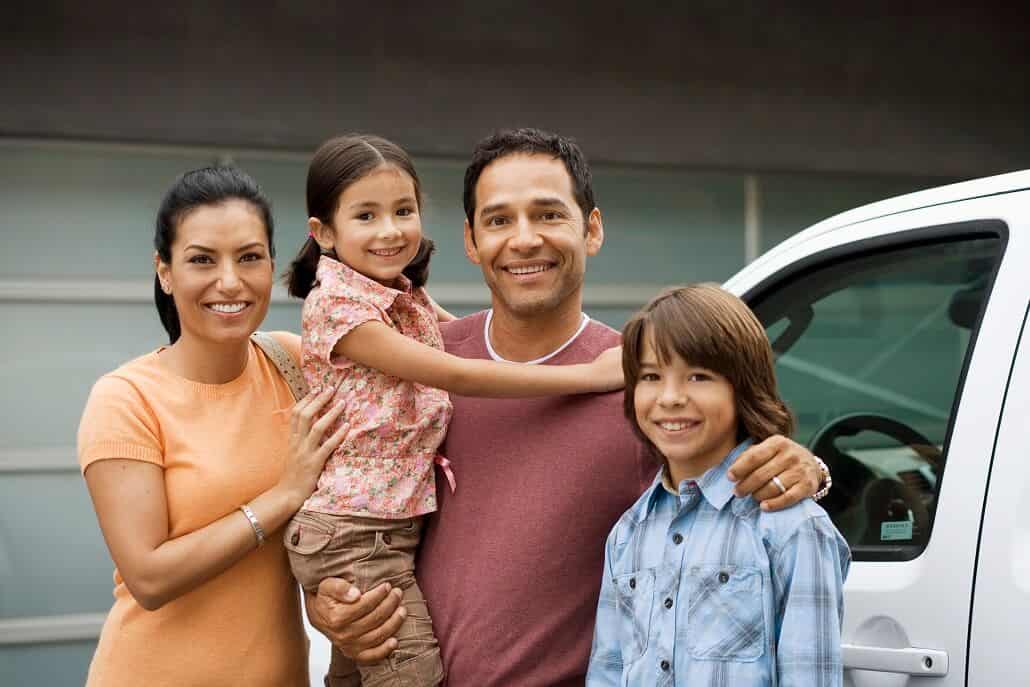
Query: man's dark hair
{"type": "Point", "coordinates": [530, 141]}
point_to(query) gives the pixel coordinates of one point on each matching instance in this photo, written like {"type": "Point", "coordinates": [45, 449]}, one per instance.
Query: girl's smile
{"type": "Point", "coordinates": [386, 252]}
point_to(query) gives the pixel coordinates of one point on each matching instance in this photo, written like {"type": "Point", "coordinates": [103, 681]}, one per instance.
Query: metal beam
{"type": "Point", "coordinates": [36, 460]}
{"type": "Point", "coordinates": [52, 628]}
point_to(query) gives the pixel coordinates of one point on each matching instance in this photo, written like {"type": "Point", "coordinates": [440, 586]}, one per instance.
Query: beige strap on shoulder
{"type": "Point", "coordinates": [284, 362]}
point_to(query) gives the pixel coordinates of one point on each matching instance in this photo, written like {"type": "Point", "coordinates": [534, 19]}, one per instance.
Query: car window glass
{"type": "Point", "coordinates": [870, 352]}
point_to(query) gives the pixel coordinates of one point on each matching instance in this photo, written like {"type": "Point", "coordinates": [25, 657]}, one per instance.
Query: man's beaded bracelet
{"type": "Point", "coordinates": [259, 531]}
{"type": "Point", "coordinates": [827, 480]}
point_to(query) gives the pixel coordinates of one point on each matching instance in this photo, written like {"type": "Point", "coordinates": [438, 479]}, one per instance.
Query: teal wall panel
{"type": "Point", "coordinates": [82, 211]}
{"type": "Point", "coordinates": [792, 202]}
{"type": "Point", "coordinates": [52, 556]}
{"type": "Point", "coordinates": [88, 211]}
{"type": "Point", "coordinates": [665, 226]}
{"type": "Point", "coordinates": [55, 665]}
{"type": "Point", "coordinates": [58, 350]}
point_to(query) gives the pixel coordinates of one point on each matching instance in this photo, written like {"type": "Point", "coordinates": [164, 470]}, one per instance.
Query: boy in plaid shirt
{"type": "Point", "coordinates": [701, 587]}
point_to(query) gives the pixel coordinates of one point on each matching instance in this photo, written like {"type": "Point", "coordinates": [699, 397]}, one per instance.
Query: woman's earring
{"type": "Point", "coordinates": [166, 288]}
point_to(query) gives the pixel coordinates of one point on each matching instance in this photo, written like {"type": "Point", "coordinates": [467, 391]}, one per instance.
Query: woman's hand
{"type": "Point", "coordinates": [606, 369]}
{"type": "Point", "coordinates": [129, 497]}
{"type": "Point", "coordinates": [307, 451]}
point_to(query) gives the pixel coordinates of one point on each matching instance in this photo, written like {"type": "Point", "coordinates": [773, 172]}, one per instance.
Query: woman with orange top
{"type": "Point", "coordinates": [195, 455]}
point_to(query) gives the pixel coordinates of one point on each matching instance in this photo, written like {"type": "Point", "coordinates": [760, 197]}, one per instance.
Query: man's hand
{"type": "Point", "coordinates": [361, 626]}
{"type": "Point", "coordinates": [781, 457]}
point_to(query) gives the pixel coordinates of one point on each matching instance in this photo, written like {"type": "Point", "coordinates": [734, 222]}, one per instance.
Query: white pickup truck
{"type": "Point", "coordinates": [903, 347]}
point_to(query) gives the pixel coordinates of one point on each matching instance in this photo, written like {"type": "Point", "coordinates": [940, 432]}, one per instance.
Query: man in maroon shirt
{"type": "Point", "coordinates": [511, 563]}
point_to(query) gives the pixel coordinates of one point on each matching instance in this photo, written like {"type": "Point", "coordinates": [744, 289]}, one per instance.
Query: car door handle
{"type": "Point", "coordinates": [910, 661]}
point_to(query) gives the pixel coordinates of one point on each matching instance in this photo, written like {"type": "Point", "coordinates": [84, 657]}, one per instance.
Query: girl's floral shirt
{"type": "Point", "coordinates": [384, 468]}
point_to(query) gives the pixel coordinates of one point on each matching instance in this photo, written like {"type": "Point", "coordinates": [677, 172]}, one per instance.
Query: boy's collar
{"type": "Point", "coordinates": [714, 485]}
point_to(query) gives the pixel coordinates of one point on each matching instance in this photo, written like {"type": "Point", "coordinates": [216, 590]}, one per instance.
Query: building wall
{"type": "Point", "coordinates": [936, 89]}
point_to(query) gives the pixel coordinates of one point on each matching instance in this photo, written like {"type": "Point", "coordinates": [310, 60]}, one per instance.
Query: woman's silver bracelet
{"type": "Point", "coordinates": [259, 531]}
{"type": "Point", "coordinates": [827, 481]}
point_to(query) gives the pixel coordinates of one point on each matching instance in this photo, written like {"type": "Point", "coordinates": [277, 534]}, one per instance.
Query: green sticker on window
{"type": "Point", "coordinates": [896, 531]}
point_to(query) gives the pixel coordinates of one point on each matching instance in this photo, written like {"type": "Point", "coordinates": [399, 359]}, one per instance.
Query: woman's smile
{"type": "Point", "coordinates": [228, 309]}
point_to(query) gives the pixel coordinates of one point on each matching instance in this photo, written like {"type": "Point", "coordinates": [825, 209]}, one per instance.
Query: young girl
{"type": "Point", "coordinates": [371, 332]}
{"type": "Point", "coordinates": [701, 587]}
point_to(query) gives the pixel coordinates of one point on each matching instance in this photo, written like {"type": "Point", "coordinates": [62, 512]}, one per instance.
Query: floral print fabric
{"type": "Point", "coordinates": [384, 468]}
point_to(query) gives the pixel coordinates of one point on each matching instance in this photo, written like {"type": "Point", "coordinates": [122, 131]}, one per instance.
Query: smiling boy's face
{"type": "Point", "coordinates": [689, 413]}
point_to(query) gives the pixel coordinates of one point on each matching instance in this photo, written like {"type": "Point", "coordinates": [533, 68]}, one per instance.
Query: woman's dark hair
{"type": "Point", "coordinates": [707, 326]}
{"type": "Point", "coordinates": [195, 189]}
{"type": "Point", "coordinates": [338, 163]}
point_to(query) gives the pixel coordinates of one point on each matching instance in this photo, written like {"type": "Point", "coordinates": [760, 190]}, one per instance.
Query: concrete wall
{"type": "Point", "coordinates": [926, 89]}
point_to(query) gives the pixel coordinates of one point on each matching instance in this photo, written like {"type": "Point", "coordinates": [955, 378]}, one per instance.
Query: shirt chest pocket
{"type": "Point", "coordinates": [726, 619]}
{"type": "Point", "coordinates": [634, 593]}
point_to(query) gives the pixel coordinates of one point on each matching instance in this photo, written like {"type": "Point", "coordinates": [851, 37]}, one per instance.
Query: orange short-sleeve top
{"type": "Point", "coordinates": [219, 445]}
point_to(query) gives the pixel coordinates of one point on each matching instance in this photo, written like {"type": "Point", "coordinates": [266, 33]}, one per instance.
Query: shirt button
{"type": "Point", "coordinates": [295, 539]}
{"type": "Point", "coordinates": [677, 538]}
{"type": "Point", "coordinates": [724, 577]}
{"type": "Point", "coordinates": [668, 603]}
{"type": "Point", "coordinates": [632, 583]}
{"type": "Point", "coordinates": [665, 666]}
{"type": "Point", "coordinates": [386, 538]}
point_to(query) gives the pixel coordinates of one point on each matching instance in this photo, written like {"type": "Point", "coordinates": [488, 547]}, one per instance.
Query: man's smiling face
{"type": "Point", "coordinates": [530, 237]}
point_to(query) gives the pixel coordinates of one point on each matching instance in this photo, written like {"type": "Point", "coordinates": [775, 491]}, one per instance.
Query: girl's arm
{"type": "Point", "coordinates": [376, 345]}
{"type": "Point", "coordinates": [441, 314]}
{"type": "Point", "coordinates": [129, 498]}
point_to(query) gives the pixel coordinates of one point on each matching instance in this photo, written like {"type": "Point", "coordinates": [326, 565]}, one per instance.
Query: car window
{"type": "Point", "coordinates": [870, 352]}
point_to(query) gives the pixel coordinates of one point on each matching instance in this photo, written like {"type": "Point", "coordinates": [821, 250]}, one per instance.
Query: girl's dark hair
{"type": "Point", "coordinates": [708, 326]}
{"type": "Point", "coordinates": [338, 163]}
{"type": "Point", "coordinates": [195, 189]}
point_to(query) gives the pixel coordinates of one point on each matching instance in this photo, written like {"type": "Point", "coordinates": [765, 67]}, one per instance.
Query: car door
{"type": "Point", "coordinates": [1001, 603]}
{"type": "Point", "coordinates": [893, 340]}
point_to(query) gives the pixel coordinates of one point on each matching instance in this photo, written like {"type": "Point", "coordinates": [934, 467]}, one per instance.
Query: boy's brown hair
{"type": "Point", "coordinates": [711, 328]}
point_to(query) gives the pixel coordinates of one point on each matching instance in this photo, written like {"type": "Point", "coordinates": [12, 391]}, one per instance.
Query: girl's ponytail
{"type": "Point", "coordinates": [418, 269]}
{"type": "Point", "coordinates": [300, 277]}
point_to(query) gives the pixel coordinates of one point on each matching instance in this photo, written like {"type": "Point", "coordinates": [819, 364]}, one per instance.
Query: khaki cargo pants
{"type": "Point", "coordinates": [368, 552]}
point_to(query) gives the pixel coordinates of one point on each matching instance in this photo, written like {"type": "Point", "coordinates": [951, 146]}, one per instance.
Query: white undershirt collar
{"type": "Point", "coordinates": [493, 354]}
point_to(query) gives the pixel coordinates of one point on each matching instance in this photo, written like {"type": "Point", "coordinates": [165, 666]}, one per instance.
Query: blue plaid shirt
{"type": "Point", "coordinates": [704, 588]}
